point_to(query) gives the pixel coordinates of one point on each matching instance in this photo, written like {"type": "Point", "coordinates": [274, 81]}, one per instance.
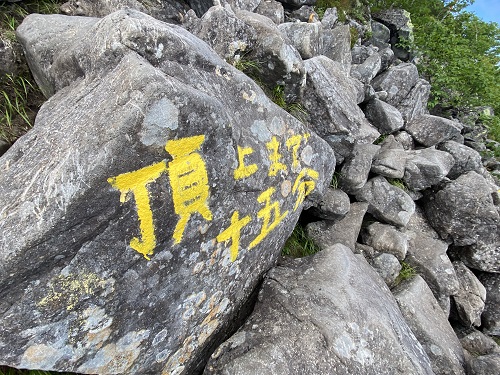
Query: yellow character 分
{"type": "Point", "coordinates": [304, 185]}
{"type": "Point", "coordinates": [233, 233]}
{"type": "Point", "coordinates": [266, 214]}
{"type": "Point", "coordinates": [136, 183]}
{"type": "Point", "coordinates": [189, 181]}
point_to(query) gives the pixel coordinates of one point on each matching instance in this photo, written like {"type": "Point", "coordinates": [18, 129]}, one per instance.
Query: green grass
{"type": "Point", "coordinates": [398, 183]}
{"type": "Point", "coordinates": [277, 95]}
{"type": "Point", "coordinates": [407, 272]}
{"type": "Point", "coordinates": [299, 244]}
{"type": "Point", "coordinates": [335, 180]}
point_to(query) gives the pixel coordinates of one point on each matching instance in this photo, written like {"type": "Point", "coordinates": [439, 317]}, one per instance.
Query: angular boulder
{"type": "Point", "coordinates": [334, 205]}
{"type": "Point", "coordinates": [307, 321]}
{"type": "Point", "coordinates": [414, 104]}
{"type": "Point", "coordinates": [397, 81]}
{"type": "Point", "coordinates": [367, 70]}
{"type": "Point", "coordinates": [383, 116]}
{"type": "Point", "coordinates": [386, 239]}
{"type": "Point", "coordinates": [430, 130]}
{"type": "Point", "coordinates": [387, 203]}
{"type": "Point", "coordinates": [330, 99]}
{"type": "Point", "coordinates": [466, 158]}
{"type": "Point", "coordinates": [134, 230]}
{"type": "Point", "coordinates": [337, 46]}
{"type": "Point", "coordinates": [463, 211]}
{"type": "Point", "coordinates": [491, 314]}
{"type": "Point", "coordinates": [306, 37]}
{"type": "Point", "coordinates": [390, 161]}
{"type": "Point", "coordinates": [354, 172]}
{"type": "Point", "coordinates": [426, 167]}
{"type": "Point", "coordinates": [431, 327]}
{"type": "Point", "coordinates": [272, 9]}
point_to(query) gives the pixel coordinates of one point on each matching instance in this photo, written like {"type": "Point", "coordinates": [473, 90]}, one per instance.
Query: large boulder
{"type": "Point", "coordinates": [305, 36]}
{"type": "Point", "coordinates": [491, 314]}
{"type": "Point", "coordinates": [386, 239]}
{"type": "Point", "coordinates": [383, 116]}
{"type": "Point", "coordinates": [356, 168]}
{"type": "Point", "coordinates": [431, 327]}
{"type": "Point", "coordinates": [397, 81]}
{"type": "Point", "coordinates": [330, 313]}
{"type": "Point", "coordinates": [330, 99]}
{"type": "Point", "coordinates": [430, 130]}
{"type": "Point", "coordinates": [426, 167]}
{"type": "Point", "coordinates": [134, 229]}
{"type": "Point", "coordinates": [463, 211]}
{"type": "Point", "coordinates": [387, 203]}
{"type": "Point", "coordinates": [466, 158]}
{"type": "Point", "coordinates": [414, 104]}
{"type": "Point", "coordinates": [367, 70]}
{"type": "Point", "coordinates": [337, 46]}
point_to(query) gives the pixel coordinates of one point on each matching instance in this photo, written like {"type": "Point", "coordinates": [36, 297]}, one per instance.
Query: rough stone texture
{"type": "Point", "coordinates": [463, 211]}
{"type": "Point", "coordinates": [476, 342]}
{"type": "Point", "coordinates": [306, 37]}
{"type": "Point", "coordinates": [337, 46]}
{"type": "Point", "coordinates": [387, 266]}
{"type": "Point", "coordinates": [466, 159]}
{"type": "Point", "coordinates": [330, 313]}
{"type": "Point", "coordinates": [426, 167]}
{"type": "Point", "coordinates": [428, 256]}
{"type": "Point", "coordinates": [387, 202]}
{"type": "Point", "coordinates": [397, 81]}
{"type": "Point", "coordinates": [354, 172]}
{"type": "Point", "coordinates": [405, 139]}
{"type": "Point", "coordinates": [126, 226]}
{"type": "Point", "coordinates": [390, 161]}
{"type": "Point", "coordinates": [419, 224]}
{"type": "Point", "coordinates": [168, 11]}
{"type": "Point", "coordinates": [430, 130]}
{"type": "Point", "coordinates": [430, 326]}
{"type": "Point", "coordinates": [9, 56]}
{"type": "Point", "coordinates": [334, 205]}
{"type": "Point", "coordinates": [345, 231]}
{"type": "Point", "coordinates": [367, 70]}
{"type": "Point", "coordinates": [236, 5]}
{"type": "Point", "coordinates": [360, 53]}
{"type": "Point", "coordinates": [330, 18]}
{"type": "Point", "coordinates": [480, 256]}
{"type": "Point", "coordinates": [485, 365]}
{"type": "Point", "coordinates": [305, 13]}
{"type": "Point", "coordinates": [386, 58]}
{"type": "Point", "coordinates": [469, 300]}
{"type": "Point", "coordinates": [331, 102]}
{"type": "Point", "coordinates": [386, 239]}
{"type": "Point", "coordinates": [272, 9]}
{"type": "Point", "coordinates": [342, 146]}
{"type": "Point", "coordinates": [491, 313]}
{"type": "Point", "coordinates": [381, 35]}
{"type": "Point", "coordinates": [399, 23]}
{"type": "Point", "coordinates": [225, 33]}
{"type": "Point", "coordinates": [414, 104]}
{"type": "Point", "coordinates": [281, 62]}
{"type": "Point", "coordinates": [383, 116]}
{"type": "Point", "coordinates": [46, 53]}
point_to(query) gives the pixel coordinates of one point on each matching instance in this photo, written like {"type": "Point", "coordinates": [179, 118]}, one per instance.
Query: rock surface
{"type": "Point", "coordinates": [146, 203]}
{"type": "Point", "coordinates": [311, 300]}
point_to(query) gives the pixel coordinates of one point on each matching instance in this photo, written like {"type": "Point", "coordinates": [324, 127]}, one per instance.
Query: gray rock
{"type": "Point", "coordinates": [464, 211]}
{"type": "Point", "coordinates": [387, 203]}
{"type": "Point", "coordinates": [281, 62]}
{"type": "Point", "coordinates": [485, 365]}
{"type": "Point", "coordinates": [329, 20]}
{"type": "Point", "coordinates": [341, 144]}
{"type": "Point", "coordinates": [337, 46]}
{"type": "Point", "coordinates": [428, 256]}
{"type": "Point", "coordinates": [491, 314]}
{"type": "Point", "coordinates": [272, 9]}
{"type": "Point", "coordinates": [399, 22]}
{"type": "Point", "coordinates": [126, 226]}
{"type": "Point", "coordinates": [387, 266]}
{"type": "Point", "coordinates": [466, 158]}
{"type": "Point", "coordinates": [334, 205]}
{"type": "Point", "coordinates": [390, 161]}
{"type": "Point", "coordinates": [386, 58]}
{"type": "Point", "coordinates": [480, 256]}
{"type": "Point", "coordinates": [229, 36]}
{"type": "Point", "coordinates": [405, 139]}
{"type": "Point", "coordinates": [381, 34]}
{"type": "Point", "coordinates": [414, 104]}
{"type": "Point", "coordinates": [306, 37]}
{"type": "Point", "coordinates": [10, 53]}
{"type": "Point", "coordinates": [360, 53]}
{"type": "Point", "coordinates": [426, 167]}
{"type": "Point", "coordinates": [418, 223]}
{"type": "Point", "coordinates": [167, 11]}
{"type": "Point", "coordinates": [345, 231]}
{"type": "Point", "coordinates": [368, 252]}
{"type": "Point", "coordinates": [47, 50]}
{"type": "Point", "coordinates": [331, 102]}
{"type": "Point", "coordinates": [354, 172]}
{"type": "Point", "coordinates": [477, 343]}
{"type": "Point", "coordinates": [430, 326]}
{"type": "Point", "coordinates": [386, 239]}
{"type": "Point", "coordinates": [305, 13]}
{"type": "Point", "coordinates": [469, 300]}
{"type": "Point", "coordinates": [308, 321]}
{"type": "Point", "coordinates": [397, 81]}
{"type": "Point", "coordinates": [430, 130]}
{"type": "Point", "coordinates": [366, 71]}
{"type": "Point", "coordinates": [383, 116]}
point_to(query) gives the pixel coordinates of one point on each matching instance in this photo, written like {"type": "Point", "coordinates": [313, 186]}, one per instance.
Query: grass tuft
{"type": "Point", "coordinates": [397, 182]}
{"type": "Point", "coordinates": [299, 244]}
{"type": "Point", "coordinates": [407, 272]}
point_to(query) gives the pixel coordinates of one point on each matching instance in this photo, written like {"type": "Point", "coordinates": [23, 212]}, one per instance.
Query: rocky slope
{"type": "Point", "coordinates": [152, 198]}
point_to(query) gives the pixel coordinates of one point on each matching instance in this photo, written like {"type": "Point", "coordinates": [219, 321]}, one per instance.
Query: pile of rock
{"type": "Point", "coordinates": [408, 192]}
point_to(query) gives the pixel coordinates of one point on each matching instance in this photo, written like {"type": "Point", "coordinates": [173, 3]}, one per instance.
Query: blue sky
{"type": "Point", "coordinates": [487, 10]}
